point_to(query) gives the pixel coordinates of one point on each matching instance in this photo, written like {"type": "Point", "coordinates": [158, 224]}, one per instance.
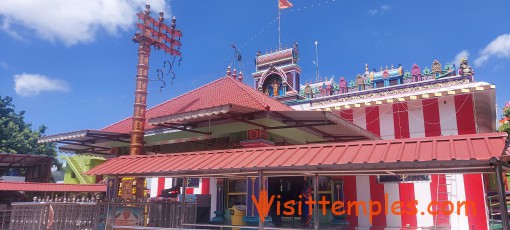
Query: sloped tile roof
{"type": "Point", "coordinates": [225, 90]}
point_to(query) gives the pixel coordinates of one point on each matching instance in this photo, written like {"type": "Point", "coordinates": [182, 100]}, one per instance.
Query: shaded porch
{"type": "Point", "coordinates": [462, 154]}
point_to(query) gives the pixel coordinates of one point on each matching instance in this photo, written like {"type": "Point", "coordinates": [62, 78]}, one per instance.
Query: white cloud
{"type": "Point", "coordinates": [499, 47]}
{"type": "Point", "coordinates": [385, 7]}
{"type": "Point", "coordinates": [72, 21]}
{"type": "Point", "coordinates": [34, 84]}
{"type": "Point", "coordinates": [459, 56]}
{"type": "Point", "coordinates": [379, 10]}
{"type": "Point", "coordinates": [373, 12]}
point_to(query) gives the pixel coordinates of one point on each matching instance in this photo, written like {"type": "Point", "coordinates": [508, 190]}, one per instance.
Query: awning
{"type": "Point", "coordinates": [51, 187]}
{"type": "Point", "coordinates": [88, 141]}
{"type": "Point", "coordinates": [298, 127]}
{"type": "Point", "coordinates": [432, 155]}
{"type": "Point", "coordinates": [197, 115]}
{"type": "Point", "coordinates": [23, 160]}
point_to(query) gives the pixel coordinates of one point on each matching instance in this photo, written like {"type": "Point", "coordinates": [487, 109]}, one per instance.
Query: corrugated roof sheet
{"type": "Point", "coordinates": [50, 187]}
{"type": "Point", "coordinates": [450, 152]}
{"type": "Point", "coordinates": [225, 90]}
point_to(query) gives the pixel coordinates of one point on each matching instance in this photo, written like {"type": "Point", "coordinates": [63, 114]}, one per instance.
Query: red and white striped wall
{"type": "Point", "coordinates": [450, 115]}
{"type": "Point", "coordinates": [159, 183]}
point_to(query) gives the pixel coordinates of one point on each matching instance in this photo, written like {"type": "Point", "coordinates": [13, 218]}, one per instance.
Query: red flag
{"type": "Point", "coordinates": [284, 4]}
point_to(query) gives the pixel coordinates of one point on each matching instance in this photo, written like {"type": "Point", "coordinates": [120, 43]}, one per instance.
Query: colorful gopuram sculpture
{"type": "Point", "coordinates": [278, 75]}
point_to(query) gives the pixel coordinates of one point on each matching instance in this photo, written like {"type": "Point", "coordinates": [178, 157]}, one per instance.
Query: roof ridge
{"type": "Point", "coordinates": [256, 95]}
{"type": "Point", "coordinates": [167, 101]}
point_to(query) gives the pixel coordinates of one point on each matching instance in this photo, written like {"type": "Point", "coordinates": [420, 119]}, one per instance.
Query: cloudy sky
{"type": "Point", "coordinates": [71, 64]}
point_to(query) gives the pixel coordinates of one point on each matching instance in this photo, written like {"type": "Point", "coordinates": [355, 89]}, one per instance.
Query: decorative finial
{"type": "Point", "coordinates": [228, 71]}
{"type": "Point", "coordinates": [173, 23]}
{"type": "Point", "coordinates": [161, 14]}
{"type": "Point", "coordinates": [235, 74]}
{"type": "Point", "coordinates": [381, 69]}
{"type": "Point", "coordinates": [241, 76]}
{"type": "Point", "coordinates": [147, 10]}
{"type": "Point", "coordinates": [392, 66]}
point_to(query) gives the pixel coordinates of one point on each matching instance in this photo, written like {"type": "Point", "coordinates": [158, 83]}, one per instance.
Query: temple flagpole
{"type": "Point", "coordinates": [279, 32]}
{"type": "Point", "coordinates": [282, 4]}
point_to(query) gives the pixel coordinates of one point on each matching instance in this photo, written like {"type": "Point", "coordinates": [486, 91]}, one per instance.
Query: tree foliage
{"type": "Point", "coordinates": [504, 123]}
{"type": "Point", "coordinates": [17, 136]}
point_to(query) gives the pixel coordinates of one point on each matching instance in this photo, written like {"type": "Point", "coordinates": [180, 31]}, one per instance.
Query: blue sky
{"type": "Point", "coordinates": [71, 65]}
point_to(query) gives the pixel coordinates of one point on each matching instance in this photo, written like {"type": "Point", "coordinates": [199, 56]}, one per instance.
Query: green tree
{"type": "Point", "coordinates": [17, 136]}
{"type": "Point", "coordinates": [504, 123]}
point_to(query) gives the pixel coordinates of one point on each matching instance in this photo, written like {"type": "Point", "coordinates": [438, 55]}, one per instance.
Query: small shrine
{"type": "Point", "coordinates": [277, 73]}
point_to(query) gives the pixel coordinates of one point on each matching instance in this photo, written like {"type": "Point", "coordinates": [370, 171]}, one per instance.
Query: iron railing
{"type": "Point", "coordinates": [5, 219]}
{"type": "Point", "coordinates": [92, 215]}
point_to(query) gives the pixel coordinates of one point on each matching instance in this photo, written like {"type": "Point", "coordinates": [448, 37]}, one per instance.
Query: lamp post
{"type": "Point", "coordinates": [151, 32]}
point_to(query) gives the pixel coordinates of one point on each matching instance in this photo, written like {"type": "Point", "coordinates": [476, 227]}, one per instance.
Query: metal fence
{"type": "Point", "coordinates": [5, 219]}
{"type": "Point", "coordinates": [92, 216]}
{"type": "Point", "coordinates": [167, 215]}
{"type": "Point", "coordinates": [55, 215]}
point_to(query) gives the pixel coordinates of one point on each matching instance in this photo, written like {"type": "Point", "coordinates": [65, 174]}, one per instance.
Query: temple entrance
{"type": "Point", "coordinates": [289, 188]}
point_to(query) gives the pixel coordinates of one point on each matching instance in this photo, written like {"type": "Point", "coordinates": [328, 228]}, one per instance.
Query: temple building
{"type": "Point", "coordinates": [387, 135]}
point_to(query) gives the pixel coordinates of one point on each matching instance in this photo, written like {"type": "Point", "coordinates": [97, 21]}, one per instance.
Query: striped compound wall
{"type": "Point", "coordinates": [430, 117]}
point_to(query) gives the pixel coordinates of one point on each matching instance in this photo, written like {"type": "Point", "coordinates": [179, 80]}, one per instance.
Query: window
{"type": "Point", "coordinates": [236, 193]}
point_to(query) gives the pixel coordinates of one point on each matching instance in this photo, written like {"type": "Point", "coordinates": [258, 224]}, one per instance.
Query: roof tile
{"type": "Point", "coordinates": [225, 90]}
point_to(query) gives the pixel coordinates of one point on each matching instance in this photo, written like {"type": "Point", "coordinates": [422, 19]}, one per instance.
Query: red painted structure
{"type": "Point", "coordinates": [51, 187]}
{"type": "Point", "coordinates": [399, 156]}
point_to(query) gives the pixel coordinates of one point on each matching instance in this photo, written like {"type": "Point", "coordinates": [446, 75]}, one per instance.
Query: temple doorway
{"type": "Point", "coordinates": [289, 188]}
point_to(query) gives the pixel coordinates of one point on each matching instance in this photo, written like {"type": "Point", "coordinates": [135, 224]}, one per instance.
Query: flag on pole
{"type": "Point", "coordinates": [284, 4]}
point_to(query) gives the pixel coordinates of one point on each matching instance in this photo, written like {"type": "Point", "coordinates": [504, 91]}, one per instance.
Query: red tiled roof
{"type": "Point", "coordinates": [50, 187]}
{"type": "Point", "coordinates": [223, 91]}
{"type": "Point", "coordinates": [431, 154]}
{"type": "Point", "coordinates": [282, 54]}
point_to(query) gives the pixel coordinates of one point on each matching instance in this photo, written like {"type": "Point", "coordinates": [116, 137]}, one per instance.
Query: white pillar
{"type": "Point", "coordinates": [213, 190]}
{"type": "Point", "coordinates": [154, 186]}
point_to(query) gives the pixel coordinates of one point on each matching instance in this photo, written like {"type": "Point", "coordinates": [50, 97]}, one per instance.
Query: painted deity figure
{"type": "Point", "coordinates": [465, 69]}
{"type": "Point", "coordinates": [308, 91]}
{"type": "Point", "coordinates": [328, 89]}
{"type": "Point", "coordinates": [343, 85]}
{"type": "Point", "coordinates": [306, 215]}
{"type": "Point", "coordinates": [275, 88]}
{"type": "Point", "coordinates": [323, 89]}
{"type": "Point", "coordinates": [436, 68]}
{"type": "Point", "coordinates": [416, 73]}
